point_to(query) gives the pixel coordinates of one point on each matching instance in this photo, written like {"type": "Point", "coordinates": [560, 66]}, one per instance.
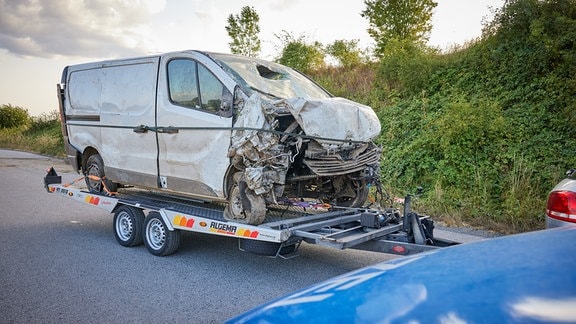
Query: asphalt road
{"type": "Point", "coordinates": [60, 263]}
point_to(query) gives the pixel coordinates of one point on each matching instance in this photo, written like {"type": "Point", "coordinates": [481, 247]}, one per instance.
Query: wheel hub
{"type": "Point", "coordinates": [157, 234]}
{"type": "Point", "coordinates": [124, 226]}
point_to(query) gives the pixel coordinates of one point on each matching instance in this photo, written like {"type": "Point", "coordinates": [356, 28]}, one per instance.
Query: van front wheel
{"type": "Point", "coordinates": [244, 206]}
{"type": "Point", "coordinates": [94, 172]}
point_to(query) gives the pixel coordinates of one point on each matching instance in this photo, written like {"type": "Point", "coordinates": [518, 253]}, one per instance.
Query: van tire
{"type": "Point", "coordinates": [244, 206]}
{"type": "Point", "coordinates": [361, 191]}
{"type": "Point", "coordinates": [95, 167]}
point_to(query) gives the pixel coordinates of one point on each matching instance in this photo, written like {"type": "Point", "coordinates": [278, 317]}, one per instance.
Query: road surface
{"type": "Point", "coordinates": [60, 263]}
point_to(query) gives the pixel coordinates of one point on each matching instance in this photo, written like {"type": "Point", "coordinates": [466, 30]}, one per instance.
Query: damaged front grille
{"type": "Point", "coordinates": [340, 163]}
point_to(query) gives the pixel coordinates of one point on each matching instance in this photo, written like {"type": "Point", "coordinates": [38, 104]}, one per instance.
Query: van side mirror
{"type": "Point", "coordinates": [226, 103]}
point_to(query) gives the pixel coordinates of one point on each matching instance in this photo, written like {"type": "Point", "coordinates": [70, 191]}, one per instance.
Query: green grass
{"type": "Point", "coordinates": [43, 135]}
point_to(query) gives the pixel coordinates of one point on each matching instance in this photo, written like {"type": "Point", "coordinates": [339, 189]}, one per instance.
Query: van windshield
{"type": "Point", "coordinates": [268, 78]}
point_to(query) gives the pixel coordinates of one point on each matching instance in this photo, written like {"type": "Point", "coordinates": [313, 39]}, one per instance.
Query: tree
{"type": "Point", "coordinates": [346, 52]}
{"type": "Point", "coordinates": [243, 29]}
{"type": "Point", "coordinates": [299, 54]}
{"type": "Point", "coordinates": [406, 20]}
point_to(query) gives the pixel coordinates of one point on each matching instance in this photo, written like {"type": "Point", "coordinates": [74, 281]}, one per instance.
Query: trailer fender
{"type": "Point", "coordinates": [166, 219]}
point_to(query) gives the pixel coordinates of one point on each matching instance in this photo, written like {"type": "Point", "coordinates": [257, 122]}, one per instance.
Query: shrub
{"type": "Point", "coordinates": [13, 116]}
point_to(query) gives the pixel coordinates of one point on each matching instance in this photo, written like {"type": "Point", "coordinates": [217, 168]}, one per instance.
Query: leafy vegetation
{"type": "Point", "coordinates": [299, 53]}
{"type": "Point", "coordinates": [40, 134]}
{"type": "Point", "coordinates": [487, 129]}
{"type": "Point", "coordinates": [391, 20]}
{"type": "Point", "coordinates": [13, 116]}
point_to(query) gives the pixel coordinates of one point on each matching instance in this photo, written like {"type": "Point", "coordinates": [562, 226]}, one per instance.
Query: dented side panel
{"type": "Point", "coordinates": [194, 158]}
{"type": "Point", "coordinates": [105, 105]}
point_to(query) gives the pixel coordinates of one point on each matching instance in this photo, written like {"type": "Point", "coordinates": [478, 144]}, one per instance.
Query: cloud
{"type": "Point", "coordinates": [282, 5]}
{"type": "Point", "coordinates": [92, 28]}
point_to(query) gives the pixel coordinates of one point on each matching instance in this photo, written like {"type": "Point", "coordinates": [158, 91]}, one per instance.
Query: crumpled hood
{"type": "Point", "coordinates": [335, 118]}
{"type": "Point", "coordinates": [333, 123]}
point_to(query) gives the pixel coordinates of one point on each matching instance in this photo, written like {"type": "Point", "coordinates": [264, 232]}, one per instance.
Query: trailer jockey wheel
{"type": "Point", "coordinates": [244, 206]}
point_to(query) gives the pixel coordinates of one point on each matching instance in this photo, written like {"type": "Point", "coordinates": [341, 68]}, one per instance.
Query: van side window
{"type": "Point", "coordinates": [193, 85]}
{"type": "Point", "coordinates": [182, 83]}
{"type": "Point", "coordinates": [210, 90]}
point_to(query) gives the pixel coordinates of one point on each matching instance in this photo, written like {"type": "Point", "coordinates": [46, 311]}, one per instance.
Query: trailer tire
{"type": "Point", "coordinates": [159, 240]}
{"type": "Point", "coordinates": [128, 224]}
{"type": "Point", "coordinates": [265, 248]}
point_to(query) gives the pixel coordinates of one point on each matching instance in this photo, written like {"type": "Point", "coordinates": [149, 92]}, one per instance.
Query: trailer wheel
{"type": "Point", "coordinates": [159, 240]}
{"type": "Point", "coordinates": [265, 248]}
{"type": "Point", "coordinates": [95, 167]}
{"type": "Point", "coordinates": [128, 223]}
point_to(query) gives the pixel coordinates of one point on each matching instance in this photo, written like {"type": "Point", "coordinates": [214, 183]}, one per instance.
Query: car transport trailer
{"type": "Point", "coordinates": [284, 229]}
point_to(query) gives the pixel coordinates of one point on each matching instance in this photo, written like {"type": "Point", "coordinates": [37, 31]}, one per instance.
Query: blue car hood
{"type": "Point", "coordinates": [523, 278]}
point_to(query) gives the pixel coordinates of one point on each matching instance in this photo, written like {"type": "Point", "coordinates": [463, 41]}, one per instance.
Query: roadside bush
{"type": "Point", "coordinates": [45, 122]}
{"type": "Point", "coordinates": [406, 67]}
{"type": "Point", "coordinates": [13, 116]}
{"type": "Point", "coordinates": [42, 135]}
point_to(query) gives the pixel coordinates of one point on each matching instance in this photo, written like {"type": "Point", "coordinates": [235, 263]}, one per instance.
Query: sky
{"type": "Point", "coordinates": [38, 38]}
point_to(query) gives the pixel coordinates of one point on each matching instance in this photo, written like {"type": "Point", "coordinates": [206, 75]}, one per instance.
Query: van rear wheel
{"type": "Point", "coordinates": [94, 171]}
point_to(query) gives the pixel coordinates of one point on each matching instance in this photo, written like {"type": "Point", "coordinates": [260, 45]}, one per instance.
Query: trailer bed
{"type": "Point", "coordinates": [284, 229]}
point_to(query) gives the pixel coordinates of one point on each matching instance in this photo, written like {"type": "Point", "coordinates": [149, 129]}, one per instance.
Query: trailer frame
{"type": "Point", "coordinates": [281, 234]}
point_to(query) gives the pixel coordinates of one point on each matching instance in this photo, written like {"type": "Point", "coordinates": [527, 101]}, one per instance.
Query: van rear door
{"type": "Point", "coordinates": [107, 102]}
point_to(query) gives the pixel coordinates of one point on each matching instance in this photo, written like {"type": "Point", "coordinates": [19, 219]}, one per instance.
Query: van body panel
{"type": "Point", "coordinates": [105, 106]}
{"type": "Point", "coordinates": [199, 148]}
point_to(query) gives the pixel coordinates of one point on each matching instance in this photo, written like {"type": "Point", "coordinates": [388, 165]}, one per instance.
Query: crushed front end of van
{"type": "Point", "coordinates": [303, 149]}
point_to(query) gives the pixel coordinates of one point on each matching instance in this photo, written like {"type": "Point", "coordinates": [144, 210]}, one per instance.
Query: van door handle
{"type": "Point", "coordinates": [167, 130]}
{"type": "Point", "coordinates": [140, 129]}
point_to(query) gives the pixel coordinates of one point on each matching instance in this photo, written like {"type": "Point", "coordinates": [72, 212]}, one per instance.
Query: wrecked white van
{"type": "Point", "coordinates": [219, 127]}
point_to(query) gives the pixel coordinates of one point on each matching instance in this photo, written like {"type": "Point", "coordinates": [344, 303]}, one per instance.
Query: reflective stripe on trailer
{"type": "Point", "coordinates": [210, 226]}
{"type": "Point", "coordinates": [102, 202]}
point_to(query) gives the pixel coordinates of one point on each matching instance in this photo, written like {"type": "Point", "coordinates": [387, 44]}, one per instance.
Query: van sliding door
{"type": "Point", "coordinates": [127, 101]}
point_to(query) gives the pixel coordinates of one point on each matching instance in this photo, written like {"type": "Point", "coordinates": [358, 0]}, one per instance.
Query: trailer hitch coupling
{"type": "Point", "coordinates": [51, 178]}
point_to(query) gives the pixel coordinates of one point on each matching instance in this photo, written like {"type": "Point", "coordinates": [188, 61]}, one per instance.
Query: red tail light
{"type": "Point", "coordinates": [562, 205]}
